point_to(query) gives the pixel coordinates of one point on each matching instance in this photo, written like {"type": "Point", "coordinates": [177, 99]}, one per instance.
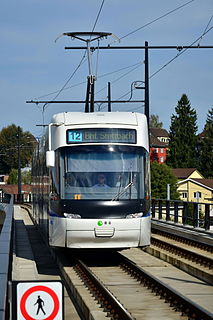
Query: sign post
{"type": "Point", "coordinates": [38, 300]}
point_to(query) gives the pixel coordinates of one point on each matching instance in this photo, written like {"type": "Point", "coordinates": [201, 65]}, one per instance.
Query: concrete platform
{"type": "Point", "coordinates": [26, 266]}
{"type": "Point", "coordinates": [194, 289]}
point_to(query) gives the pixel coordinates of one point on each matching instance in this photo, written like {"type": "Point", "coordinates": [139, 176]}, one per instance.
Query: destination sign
{"type": "Point", "coordinates": [101, 135]}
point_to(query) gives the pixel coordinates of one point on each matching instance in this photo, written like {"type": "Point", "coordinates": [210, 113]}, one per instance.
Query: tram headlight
{"type": "Point", "coordinates": [72, 216]}
{"type": "Point", "coordinates": [134, 215]}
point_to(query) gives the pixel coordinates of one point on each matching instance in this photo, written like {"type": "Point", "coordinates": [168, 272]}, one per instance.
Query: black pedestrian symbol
{"type": "Point", "coordinates": [40, 304]}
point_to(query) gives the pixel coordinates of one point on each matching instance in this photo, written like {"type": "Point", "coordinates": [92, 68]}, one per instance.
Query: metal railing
{"type": "Point", "coordinates": [17, 198]}
{"type": "Point", "coordinates": [195, 214]}
{"type": "Point", "coordinates": [22, 198]}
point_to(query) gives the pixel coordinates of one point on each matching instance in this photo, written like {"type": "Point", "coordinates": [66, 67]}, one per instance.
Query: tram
{"type": "Point", "coordinates": [91, 181]}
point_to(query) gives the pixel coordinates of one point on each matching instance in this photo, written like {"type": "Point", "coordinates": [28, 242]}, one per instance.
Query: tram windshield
{"type": "Point", "coordinates": [103, 172]}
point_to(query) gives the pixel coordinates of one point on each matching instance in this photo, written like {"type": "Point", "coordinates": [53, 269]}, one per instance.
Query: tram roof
{"type": "Point", "coordinates": [122, 118]}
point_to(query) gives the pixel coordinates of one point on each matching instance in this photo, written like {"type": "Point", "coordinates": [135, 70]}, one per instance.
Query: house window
{"type": "Point", "coordinates": [156, 150]}
{"type": "Point", "coordinates": [161, 150]}
{"type": "Point", "coordinates": [184, 195]}
{"type": "Point", "coordinates": [161, 159]}
{"type": "Point", "coordinates": [197, 195]}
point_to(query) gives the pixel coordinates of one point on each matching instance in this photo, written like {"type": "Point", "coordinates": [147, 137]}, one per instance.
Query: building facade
{"type": "Point", "coordinates": [159, 140]}
{"type": "Point", "coordinates": [192, 186]}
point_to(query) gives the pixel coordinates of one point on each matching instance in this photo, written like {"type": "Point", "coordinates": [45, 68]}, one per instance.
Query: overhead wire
{"type": "Point", "coordinates": [205, 30]}
{"type": "Point", "coordinates": [98, 15]}
{"type": "Point", "coordinates": [45, 105]}
{"type": "Point", "coordinates": [130, 33]}
{"type": "Point", "coordinates": [83, 82]}
{"type": "Point", "coordinates": [156, 19]}
{"type": "Point", "coordinates": [177, 55]}
{"type": "Point", "coordinates": [72, 75]}
{"type": "Point", "coordinates": [138, 65]}
{"type": "Point", "coordinates": [76, 69]}
{"type": "Point", "coordinates": [95, 23]}
{"type": "Point", "coordinates": [180, 53]}
{"type": "Point", "coordinates": [122, 76]}
{"type": "Point", "coordinates": [147, 24]}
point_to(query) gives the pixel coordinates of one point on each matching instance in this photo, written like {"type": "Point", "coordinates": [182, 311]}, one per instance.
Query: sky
{"type": "Point", "coordinates": [33, 66]}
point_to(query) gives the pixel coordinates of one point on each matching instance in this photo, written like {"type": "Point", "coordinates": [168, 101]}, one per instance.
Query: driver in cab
{"type": "Point", "coordinates": [101, 182]}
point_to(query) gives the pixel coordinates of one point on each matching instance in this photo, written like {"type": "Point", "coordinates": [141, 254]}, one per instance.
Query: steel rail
{"type": "Point", "coordinates": [103, 295]}
{"type": "Point", "coordinates": [175, 298]}
{"type": "Point", "coordinates": [185, 253]}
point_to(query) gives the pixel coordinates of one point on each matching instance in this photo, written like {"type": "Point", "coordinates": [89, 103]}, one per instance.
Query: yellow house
{"type": "Point", "coordinates": [192, 186]}
{"type": "Point", "coordinates": [196, 190]}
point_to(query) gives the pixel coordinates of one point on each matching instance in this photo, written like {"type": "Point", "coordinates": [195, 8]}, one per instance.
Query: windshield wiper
{"type": "Point", "coordinates": [120, 193]}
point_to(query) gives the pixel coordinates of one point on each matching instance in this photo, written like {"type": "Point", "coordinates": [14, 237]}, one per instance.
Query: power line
{"type": "Point", "coordinates": [72, 75]}
{"type": "Point", "coordinates": [80, 63]}
{"type": "Point", "coordinates": [205, 30]}
{"type": "Point", "coordinates": [80, 83]}
{"type": "Point", "coordinates": [149, 23]}
{"type": "Point", "coordinates": [99, 12]}
{"type": "Point", "coordinates": [181, 52]}
{"type": "Point", "coordinates": [136, 66]}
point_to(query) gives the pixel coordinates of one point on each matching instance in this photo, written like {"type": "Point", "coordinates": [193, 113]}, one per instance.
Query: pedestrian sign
{"type": "Point", "coordinates": [38, 300]}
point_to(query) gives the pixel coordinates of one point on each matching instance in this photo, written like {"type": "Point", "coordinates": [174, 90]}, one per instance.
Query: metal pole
{"type": "Point", "coordinates": [109, 97]}
{"type": "Point", "coordinates": [168, 191]}
{"type": "Point", "coordinates": [179, 48]}
{"type": "Point", "coordinates": [19, 166]}
{"type": "Point", "coordinates": [87, 95]}
{"type": "Point", "coordinates": [92, 95]}
{"type": "Point", "coordinates": [147, 83]}
{"type": "Point", "coordinates": [89, 57]}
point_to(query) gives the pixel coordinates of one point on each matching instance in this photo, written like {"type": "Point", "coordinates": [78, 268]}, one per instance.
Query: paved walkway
{"type": "Point", "coordinates": [36, 264]}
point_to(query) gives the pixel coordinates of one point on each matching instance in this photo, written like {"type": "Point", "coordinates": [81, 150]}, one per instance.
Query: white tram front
{"type": "Point", "coordinates": [99, 182]}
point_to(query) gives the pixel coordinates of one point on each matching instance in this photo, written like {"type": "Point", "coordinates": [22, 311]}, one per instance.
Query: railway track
{"type": "Point", "coordinates": [124, 290]}
{"type": "Point", "coordinates": [189, 255]}
{"type": "Point", "coordinates": [126, 285]}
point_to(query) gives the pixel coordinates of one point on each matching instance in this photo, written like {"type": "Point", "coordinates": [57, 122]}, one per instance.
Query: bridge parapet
{"type": "Point", "coordinates": [5, 256]}
{"type": "Point", "coordinates": [195, 214]}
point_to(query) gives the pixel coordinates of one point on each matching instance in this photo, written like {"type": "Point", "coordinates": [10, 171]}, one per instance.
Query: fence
{"type": "Point", "coordinates": [196, 214]}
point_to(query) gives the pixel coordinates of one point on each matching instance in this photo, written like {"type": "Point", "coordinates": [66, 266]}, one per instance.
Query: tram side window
{"type": "Point", "coordinates": [55, 176]}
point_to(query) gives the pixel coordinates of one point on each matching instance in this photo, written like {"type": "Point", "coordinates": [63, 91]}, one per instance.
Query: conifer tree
{"type": "Point", "coordinates": [154, 121]}
{"type": "Point", "coordinates": [205, 149]}
{"type": "Point", "coordinates": [183, 140]}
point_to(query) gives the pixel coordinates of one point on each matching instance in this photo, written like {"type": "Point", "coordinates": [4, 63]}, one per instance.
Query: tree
{"type": "Point", "coordinates": [25, 177]}
{"type": "Point", "coordinates": [205, 147]}
{"type": "Point", "coordinates": [154, 121]}
{"type": "Point", "coordinates": [183, 140]}
{"type": "Point", "coordinates": [11, 138]}
{"type": "Point", "coordinates": [161, 175]}
{"type": "Point", "coordinates": [13, 177]}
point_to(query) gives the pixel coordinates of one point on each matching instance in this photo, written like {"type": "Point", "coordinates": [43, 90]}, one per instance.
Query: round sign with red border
{"type": "Point", "coordinates": [39, 300]}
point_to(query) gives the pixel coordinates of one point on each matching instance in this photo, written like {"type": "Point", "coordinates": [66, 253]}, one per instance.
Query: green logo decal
{"type": "Point", "coordinates": [100, 223]}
